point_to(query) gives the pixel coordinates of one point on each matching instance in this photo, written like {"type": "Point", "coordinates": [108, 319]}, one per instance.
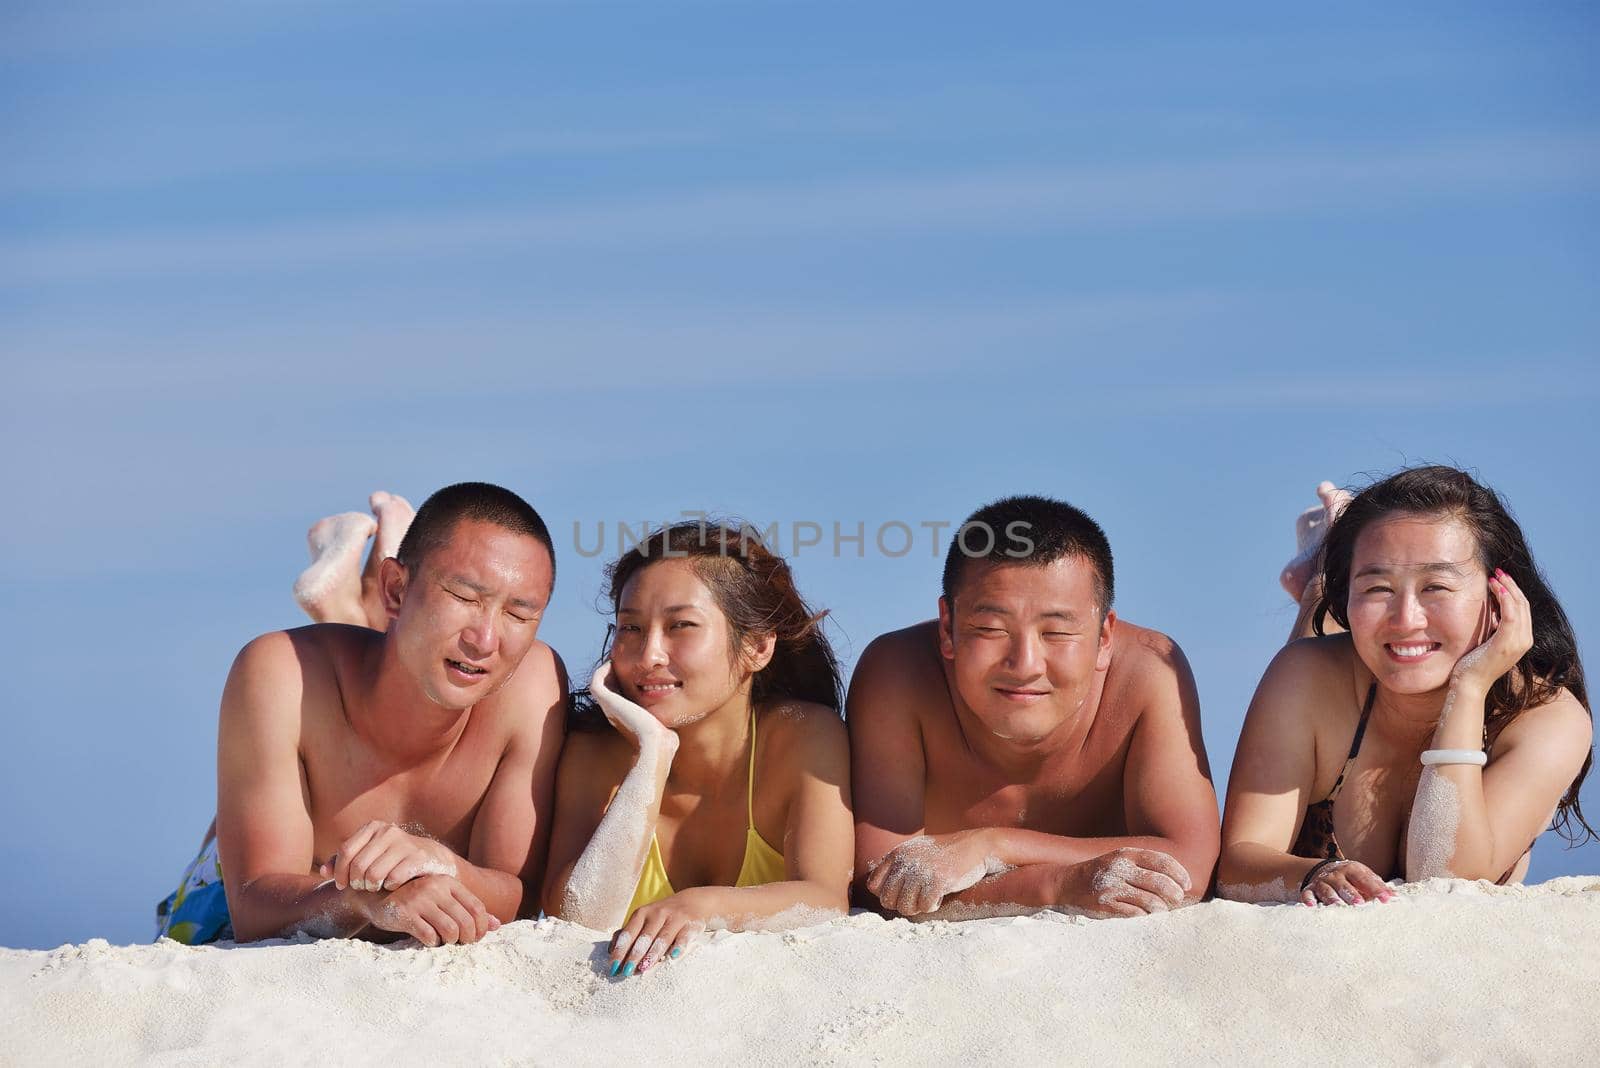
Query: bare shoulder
{"type": "Point", "coordinates": [302, 661]}
{"type": "Point", "coordinates": [1313, 685]}
{"type": "Point", "coordinates": [1561, 721]}
{"type": "Point", "coordinates": [1147, 670]}
{"type": "Point", "coordinates": [286, 693]}
{"type": "Point", "coordinates": [793, 726]}
{"type": "Point", "coordinates": [1320, 664]}
{"type": "Point", "coordinates": [899, 669]}
{"type": "Point", "coordinates": [909, 648]}
{"type": "Point", "coordinates": [311, 647]}
{"type": "Point", "coordinates": [1141, 650]}
{"type": "Point", "coordinates": [600, 757]}
{"type": "Point", "coordinates": [533, 693]}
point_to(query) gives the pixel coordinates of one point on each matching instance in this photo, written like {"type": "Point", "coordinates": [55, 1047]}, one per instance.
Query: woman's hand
{"type": "Point", "coordinates": [633, 721]}
{"type": "Point", "coordinates": [662, 930]}
{"type": "Point", "coordinates": [1345, 882]}
{"type": "Point", "coordinates": [1508, 635]}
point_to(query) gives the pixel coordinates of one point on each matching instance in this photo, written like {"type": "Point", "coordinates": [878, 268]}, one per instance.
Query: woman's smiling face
{"type": "Point", "coordinates": [1419, 599]}
{"type": "Point", "coordinates": [672, 652]}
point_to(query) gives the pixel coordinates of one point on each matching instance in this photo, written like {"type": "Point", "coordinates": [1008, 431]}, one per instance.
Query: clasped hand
{"type": "Point", "coordinates": [407, 884]}
{"type": "Point", "coordinates": [434, 909]}
{"type": "Point", "coordinates": [1125, 882]}
{"type": "Point", "coordinates": [383, 856]}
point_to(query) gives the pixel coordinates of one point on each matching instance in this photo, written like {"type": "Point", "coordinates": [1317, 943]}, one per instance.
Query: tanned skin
{"type": "Point", "coordinates": [1027, 750]}
{"type": "Point", "coordinates": [377, 785]}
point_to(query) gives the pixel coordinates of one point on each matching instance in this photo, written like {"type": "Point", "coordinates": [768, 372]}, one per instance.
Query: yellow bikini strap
{"type": "Point", "coordinates": [750, 776]}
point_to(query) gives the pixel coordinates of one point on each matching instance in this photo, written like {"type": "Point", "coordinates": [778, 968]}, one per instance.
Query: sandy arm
{"type": "Point", "coordinates": [600, 843]}
{"type": "Point", "coordinates": [1471, 822]}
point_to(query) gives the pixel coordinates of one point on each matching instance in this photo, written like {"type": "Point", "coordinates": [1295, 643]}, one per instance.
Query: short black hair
{"type": "Point", "coordinates": [1030, 530]}
{"type": "Point", "coordinates": [440, 513]}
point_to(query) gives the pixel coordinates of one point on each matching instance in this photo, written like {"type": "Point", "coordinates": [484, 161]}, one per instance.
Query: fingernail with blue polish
{"type": "Point", "coordinates": [615, 965]}
{"type": "Point", "coordinates": [627, 969]}
{"type": "Point", "coordinates": [677, 951]}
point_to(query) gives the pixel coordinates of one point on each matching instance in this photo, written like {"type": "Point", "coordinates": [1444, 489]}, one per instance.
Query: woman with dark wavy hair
{"type": "Point", "coordinates": [706, 781]}
{"type": "Point", "coordinates": [1436, 733]}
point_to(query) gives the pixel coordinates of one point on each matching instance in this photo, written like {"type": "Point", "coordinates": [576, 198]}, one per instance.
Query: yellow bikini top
{"type": "Point", "coordinates": [762, 863]}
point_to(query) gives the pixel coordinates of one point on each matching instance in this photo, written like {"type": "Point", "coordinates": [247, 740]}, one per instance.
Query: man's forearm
{"type": "Point", "coordinates": [1021, 848]}
{"type": "Point", "coordinates": [501, 892]}
{"type": "Point", "coordinates": [1021, 890]}
{"type": "Point", "coordinates": [282, 905]}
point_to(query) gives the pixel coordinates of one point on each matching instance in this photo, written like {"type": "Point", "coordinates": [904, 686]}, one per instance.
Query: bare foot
{"type": "Point", "coordinates": [330, 589]}
{"type": "Point", "coordinates": [1310, 527]}
{"type": "Point", "coordinates": [394, 514]}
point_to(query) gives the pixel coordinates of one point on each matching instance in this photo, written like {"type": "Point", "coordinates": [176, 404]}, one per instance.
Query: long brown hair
{"type": "Point", "coordinates": [755, 590]}
{"type": "Point", "coordinates": [1550, 666]}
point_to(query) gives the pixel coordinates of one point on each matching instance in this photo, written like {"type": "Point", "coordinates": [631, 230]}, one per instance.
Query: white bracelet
{"type": "Point", "coordinates": [1454, 756]}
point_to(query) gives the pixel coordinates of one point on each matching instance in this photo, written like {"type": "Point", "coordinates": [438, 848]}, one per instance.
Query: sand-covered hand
{"type": "Point", "coordinates": [383, 856]}
{"type": "Point", "coordinates": [633, 720]}
{"type": "Point", "coordinates": [919, 873]}
{"type": "Point", "coordinates": [1126, 882]}
{"type": "Point", "coordinates": [436, 910]}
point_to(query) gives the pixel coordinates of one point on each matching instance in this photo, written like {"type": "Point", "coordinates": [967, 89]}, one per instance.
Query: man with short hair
{"type": "Point", "coordinates": [378, 784]}
{"type": "Point", "coordinates": [1028, 749]}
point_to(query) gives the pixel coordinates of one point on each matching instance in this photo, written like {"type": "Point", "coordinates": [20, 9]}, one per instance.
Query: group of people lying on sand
{"type": "Point", "coordinates": [413, 764]}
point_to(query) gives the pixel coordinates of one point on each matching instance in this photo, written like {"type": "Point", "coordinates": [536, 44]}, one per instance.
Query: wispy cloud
{"type": "Point", "coordinates": [232, 153]}
{"type": "Point", "coordinates": [1439, 389]}
{"type": "Point", "coordinates": [1372, 179]}
{"type": "Point", "coordinates": [52, 29]}
{"type": "Point", "coordinates": [557, 349]}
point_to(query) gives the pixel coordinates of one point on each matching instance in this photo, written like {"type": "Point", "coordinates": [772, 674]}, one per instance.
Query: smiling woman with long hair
{"type": "Point", "coordinates": [706, 780]}
{"type": "Point", "coordinates": [1438, 734]}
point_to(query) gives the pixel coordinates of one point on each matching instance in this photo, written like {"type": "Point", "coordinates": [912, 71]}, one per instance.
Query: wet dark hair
{"type": "Point", "coordinates": [1552, 664]}
{"type": "Point", "coordinates": [1030, 530]}
{"type": "Point", "coordinates": [439, 514]}
{"type": "Point", "coordinates": [755, 590]}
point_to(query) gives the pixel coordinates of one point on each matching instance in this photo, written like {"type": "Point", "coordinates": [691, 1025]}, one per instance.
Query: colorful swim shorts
{"type": "Point", "coordinates": [197, 912]}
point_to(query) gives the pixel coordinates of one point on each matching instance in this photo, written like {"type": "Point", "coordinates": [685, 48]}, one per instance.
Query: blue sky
{"type": "Point", "coordinates": [793, 262]}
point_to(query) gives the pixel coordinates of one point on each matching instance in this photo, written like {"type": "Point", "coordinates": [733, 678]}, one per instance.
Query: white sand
{"type": "Point", "coordinates": [1451, 972]}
